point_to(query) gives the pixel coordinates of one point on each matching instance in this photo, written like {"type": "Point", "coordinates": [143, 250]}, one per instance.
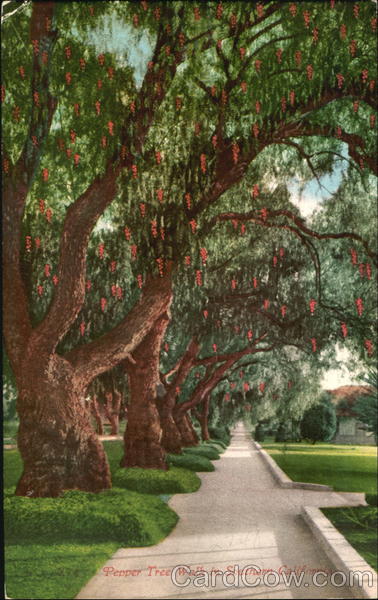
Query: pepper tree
{"type": "Point", "coordinates": [80, 136]}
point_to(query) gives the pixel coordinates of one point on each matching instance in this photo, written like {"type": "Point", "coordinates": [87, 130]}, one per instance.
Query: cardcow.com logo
{"type": "Point", "coordinates": [253, 576]}
{"type": "Point", "coordinates": [249, 576]}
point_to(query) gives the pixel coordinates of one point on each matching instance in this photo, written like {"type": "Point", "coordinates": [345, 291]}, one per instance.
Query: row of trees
{"type": "Point", "coordinates": [147, 224]}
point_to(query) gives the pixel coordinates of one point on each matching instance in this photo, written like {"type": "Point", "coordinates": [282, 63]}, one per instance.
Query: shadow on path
{"type": "Point", "coordinates": [238, 518]}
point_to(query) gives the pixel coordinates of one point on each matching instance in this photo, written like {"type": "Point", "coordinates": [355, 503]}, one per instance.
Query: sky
{"type": "Point", "coordinates": [343, 375]}
{"type": "Point", "coordinates": [313, 195]}
{"type": "Point", "coordinates": [131, 46]}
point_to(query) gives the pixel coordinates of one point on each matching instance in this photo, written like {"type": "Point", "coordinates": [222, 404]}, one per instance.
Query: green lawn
{"type": "Point", "coordinates": [359, 526]}
{"type": "Point", "coordinates": [54, 571]}
{"type": "Point", "coordinates": [346, 469]}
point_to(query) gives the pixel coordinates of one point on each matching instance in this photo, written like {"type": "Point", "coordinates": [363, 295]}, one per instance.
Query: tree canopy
{"type": "Point", "coordinates": [147, 183]}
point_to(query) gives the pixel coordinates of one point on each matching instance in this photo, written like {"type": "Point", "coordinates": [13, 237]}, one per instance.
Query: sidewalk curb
{"type": "Point", "coordinates": [284, 480]}
{"type": "Point", "coordinates": [340, 552]}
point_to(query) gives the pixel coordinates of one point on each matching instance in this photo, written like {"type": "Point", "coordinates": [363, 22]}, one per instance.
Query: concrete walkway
{"type": "Point", "coordinates": [239, 517]}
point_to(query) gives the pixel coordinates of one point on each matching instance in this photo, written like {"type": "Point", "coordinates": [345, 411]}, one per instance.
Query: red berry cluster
{"type": "Point", "coordinates": [204, 255]}
{"type": "Point", "coordinates": [360, 306]}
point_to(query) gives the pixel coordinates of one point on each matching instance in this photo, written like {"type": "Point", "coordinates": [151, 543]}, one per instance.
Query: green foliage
{"type": "Point", "coordinates": [114, 515]}
{"type": "Point", "coordinates": [53, 571]}
{"type": "Point", "coordinates": [259, 434]}
{"type": "Point", "coordinates": [217, 444]}
{"type": "Point", "coordinates": [366, 410]}
{"type": "Point", "coordinates": [345, 468]}
{"type": "Point", "coordinates": [12, 465]}
{"type": "Point", "coordinates": [319, 422]}
{"type": "Point", "coordinates": [359, 526]}
{"type": "Point", "coordinates": [126, 46]}
{"type": "Point", "coordinates": [366, 407]}
{"type": "Point", "coordinates": [371, 499]}
{"type": "Point", "coordinates": [206, 451]}
{"type": "Point", "coordinates": [191, 462]}
{"type": "Point", "coordinates": [220, 433]}
{"type": "Point", "coordinates": [153, 481]}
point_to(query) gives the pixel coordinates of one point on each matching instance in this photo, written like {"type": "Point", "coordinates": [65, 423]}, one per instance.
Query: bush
{"type": "Point", "coordinates": [191, 462]}
{"type": "Point", "coordinates": [259, 433]}
{"type": "Point", "coordinates": [220, 433]}
{"type": "Point", "coordinates": [371, 499]}
{"type": "Point", "coordinates": [319, 422]}
{"type": "Point", "coordinates": [206, 451]}
{"type": "Point", "coordinates": [217, 444]}
{"type": "Point", "coordinates": [113, 515]}
{"type": "Point", "coordinates": [154, 481]}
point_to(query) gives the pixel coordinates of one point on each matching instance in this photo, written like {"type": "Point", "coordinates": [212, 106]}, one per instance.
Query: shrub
{"type": "Point", "coordinates": [220, 433]}
{"type": "Point", "coordinates": [371, 499]}
{"type": "Point", "coordinates": [319, 422]}
{"type": "Point", "coordinates": [217, 444]}
{"type": "Point", "coordinates": [154, 481]}
{"type": "Point", "coordinates": [206, 451]}
{"type": "Point", "coordinates": [191, 462]}
{"type": "Point", "coordinates": [259, 433]}
{"type": "Point", "coordinates": [113, 515]}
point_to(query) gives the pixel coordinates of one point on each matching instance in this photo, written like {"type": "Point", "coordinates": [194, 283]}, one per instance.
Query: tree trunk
{"type": "Point", "coordinates": [171, 438]}
{"type": "Point", "coordinates": [97, 416]}
{"type": "Point", "coordinates": [112, 408]}
{"type": "Point", "coordinates": [143, 447]}
{"type": "Point", "coordinates": [58, 446]}
{"type": "Point", "coordinates": [186, 429]}
{"type": "Point", "coordinates": [203, 419]}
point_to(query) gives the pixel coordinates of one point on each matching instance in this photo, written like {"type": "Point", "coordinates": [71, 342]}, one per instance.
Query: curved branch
{"type": "Point", "coordinates": [184, 364]}
{"type": "Point", "coordinates": [116, 345]}
{"type": "Point", "coordinates": [211, 360]}
{"type": "Point", "coordinates": [253, 217]}
{"type": "Point", "coordinates": [209, 382]}
{"type": "Point", "coordinates": [69, 294]}
{"type": "Point", "coordinates": [83, 214]}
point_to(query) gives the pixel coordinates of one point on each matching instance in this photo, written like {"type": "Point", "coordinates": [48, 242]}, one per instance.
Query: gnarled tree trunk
{"type": "Point", "coordinates": [186, 429]}
{"type": "Point", "coordinates": [171, 438]}
{"type": "Point", "coordinates": [143, 447]}
{"type": "Point", "coordinates": [58, 446]}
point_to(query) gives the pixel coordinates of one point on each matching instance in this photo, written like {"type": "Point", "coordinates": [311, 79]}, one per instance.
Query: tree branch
{"type": "Point", "coordinates": [83, 214]}
{"type": "Point", "coordinates": [209, 383]}
{"type": "Point", "coordinates": [184, 363]}
{"type": "Point", "coordinates": [114, 346]}
{"type": "Point", "coordinates": [17, 182]}
{"type": "Point", "coordinates": [255, 218]}
{"type": "Point", "coordinates": [211, 360]}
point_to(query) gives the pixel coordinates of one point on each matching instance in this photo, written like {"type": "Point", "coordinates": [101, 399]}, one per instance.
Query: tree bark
{"type": "Point", "coordinates": [112, 408]}
{"type": "Point", "coordinates": [171, 437]}
{"type": "Point", "coordinates": [203, 419]}
{"type": "Point", "coordinates": [58, 446]}
{"type": "Point", "coordinates": [97, 416]}
{"type": "Point", "coordinates": [143, 434]}
{"type": "Point", "coordinates": [188, 433]}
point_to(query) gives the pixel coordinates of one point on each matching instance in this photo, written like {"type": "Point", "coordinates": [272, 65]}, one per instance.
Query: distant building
{"type": "Point", "coordinates": [350, 430]}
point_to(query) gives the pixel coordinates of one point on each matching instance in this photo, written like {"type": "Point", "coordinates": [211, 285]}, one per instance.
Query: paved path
{"type": "Point", "coordinates": [238, 517]}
